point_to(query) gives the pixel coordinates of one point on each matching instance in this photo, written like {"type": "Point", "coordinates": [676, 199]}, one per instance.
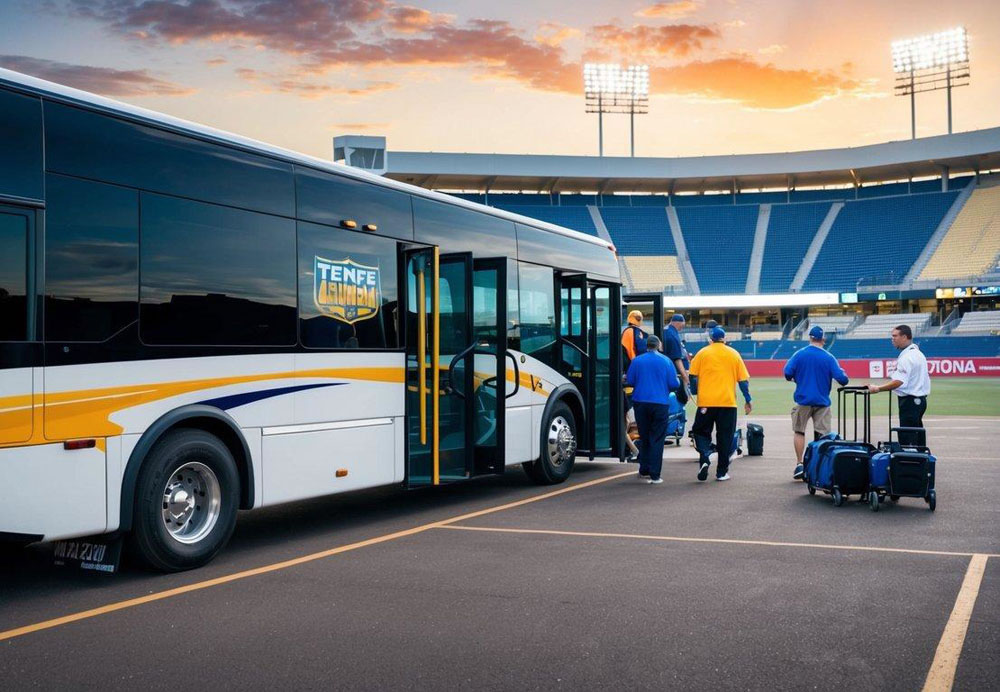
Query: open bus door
{"type": "Point", "coordinates": [456, 336]}
{"type": "Point", "coordinates": [588, 357]}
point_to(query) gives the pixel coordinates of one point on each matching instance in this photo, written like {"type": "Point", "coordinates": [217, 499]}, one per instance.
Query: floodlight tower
{"type": "Point", "coordinates": [611, 89]}
{"type": "Point", "coordinates": [928, 63]}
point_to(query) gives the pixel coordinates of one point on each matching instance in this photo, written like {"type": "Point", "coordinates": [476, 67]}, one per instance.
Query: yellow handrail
{"type": "Point", "coordinates": [422, 351]}
{"type": "Point", "coordinates": [436, 356]}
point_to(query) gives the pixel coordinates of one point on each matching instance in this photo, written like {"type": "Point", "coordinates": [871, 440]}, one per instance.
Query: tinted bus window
{"type": "Point", "coordinates": [91, 259]}
{"type": "Point", "coordinates": [20, 145]}
{"type": "Point", "coordinates": [215, 276]}
{"type": "Point", "coordinates": [348, 290]}
{"type": "Point", "coordinates": [563, 252]}
{"type": "Point", "coordinates": [100, 147]}
{"type": "Point", "coordinates": [330, 199]}
{"type": "Point", "coordinates": [462, 230]}
{"type": "Point", "coordinates": [538, 316]}
{"type": "Point", "coordinates": [13, 277]}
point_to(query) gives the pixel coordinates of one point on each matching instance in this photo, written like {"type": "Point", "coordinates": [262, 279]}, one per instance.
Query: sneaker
{"type": "Point", "coordinates": [655, 481]}
{"type": "Point", "coordinates": [722, 478]}
{"type": "Point", "coordinates": [703, 471]}
{"type": "Point", "coordinates": [800, 471]}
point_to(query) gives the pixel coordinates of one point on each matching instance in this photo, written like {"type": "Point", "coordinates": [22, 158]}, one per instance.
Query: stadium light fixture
{"type": "Point", "coordinates": [609, 88]}
{"type": "Point", "coordinates": [928, 63]}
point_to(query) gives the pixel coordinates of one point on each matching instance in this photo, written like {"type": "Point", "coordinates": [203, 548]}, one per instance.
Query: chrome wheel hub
{"type": "Point", "coordinates": [192, 501]}
{"type": "Point", "coordinates": [561, 441]}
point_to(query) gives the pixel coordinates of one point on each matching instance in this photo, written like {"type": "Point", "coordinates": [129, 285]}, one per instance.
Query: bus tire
{"type": "Point", "coordinates": [186, 498]}
{"type": "Point", "coordinates": [559, 441]}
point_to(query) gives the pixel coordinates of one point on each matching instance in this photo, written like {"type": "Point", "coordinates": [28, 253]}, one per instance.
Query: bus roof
{"type": "Point", "coordinates": [77, 96]}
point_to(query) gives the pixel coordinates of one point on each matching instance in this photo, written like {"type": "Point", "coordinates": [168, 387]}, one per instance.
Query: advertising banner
{"type": "Point", "coordinates": [879, 368]}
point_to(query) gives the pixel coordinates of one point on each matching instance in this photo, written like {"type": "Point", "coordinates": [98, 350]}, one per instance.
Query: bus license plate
{"type": "Point", "coordinates": [90, 554]}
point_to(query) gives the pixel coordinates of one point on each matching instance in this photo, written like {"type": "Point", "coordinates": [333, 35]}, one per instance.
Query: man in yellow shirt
{"type": "Point", "coordinates": [715, 372]}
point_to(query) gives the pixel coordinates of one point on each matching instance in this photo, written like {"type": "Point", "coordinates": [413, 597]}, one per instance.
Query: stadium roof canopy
{"type": "Point", "coordinates": [966, 152]}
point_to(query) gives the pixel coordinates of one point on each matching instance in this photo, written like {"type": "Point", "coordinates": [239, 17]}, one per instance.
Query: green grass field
{"type": "Point", "coordinates": [950, 396]}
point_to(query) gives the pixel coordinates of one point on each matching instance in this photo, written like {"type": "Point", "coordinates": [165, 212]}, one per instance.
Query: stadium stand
{"type": "Point", "coordinates": [719, 241]}
{"type": "Point", "coordinates": [972, 244]}
{"type": "Point", "coordinates": [575, 217]}
{"type": "Point", "coordinates": [983, 322]}
{"type": "Point", "coordinates": [832, 324]}
{"type": "Point", "coordinates": [866, 241]}
{"type": "Point", "coordinates": [791, 228]}
{"type": "Point", "coordinates": [653, 272]}
{"type": "Point", "coordinates": [642, 231]}
{"type": "Point", "coordinates": [880, 326]}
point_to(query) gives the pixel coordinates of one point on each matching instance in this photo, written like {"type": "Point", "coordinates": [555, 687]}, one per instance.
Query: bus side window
{"type": "Point", "coordinates": [347, 289]}
{"type": "Point", "coordinates": [13, 277]}
{"type": "Point", "coordinates": [537, 310]}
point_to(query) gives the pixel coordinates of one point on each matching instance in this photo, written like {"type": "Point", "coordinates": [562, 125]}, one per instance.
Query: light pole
{"type": "Point", "coordinates": [611, 89]}
{"type": "Point", "coordinates": [928, 63]}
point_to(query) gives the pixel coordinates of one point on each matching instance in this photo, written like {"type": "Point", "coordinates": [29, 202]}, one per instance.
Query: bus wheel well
{"type": "Point", "coordinates": [575, 407]}
{"type": "Point", "coordinates": [199, 417]}
{"type": "Point", "coordinates": [237, 447]}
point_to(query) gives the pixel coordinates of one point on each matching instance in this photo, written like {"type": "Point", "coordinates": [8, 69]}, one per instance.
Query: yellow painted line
{"type": "Point", "coordinates": [691, 539]}
{"type": "Point", "coordinates": [941, 676]}
{"type": "Point", "coordinates": [198, 586]}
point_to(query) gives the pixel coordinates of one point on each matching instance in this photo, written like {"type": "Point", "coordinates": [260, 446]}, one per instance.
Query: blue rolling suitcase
{"type": "Point", "coordinates": [677, 420]}
{"type": "Point", "coordinates": [897, 471]}
{"type": "Point", "coordinates": [840, 467]}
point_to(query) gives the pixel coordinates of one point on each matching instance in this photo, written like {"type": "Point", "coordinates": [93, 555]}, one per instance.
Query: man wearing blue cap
{"type": "Point", "coordinates": [716, 370]}
{"type": "Point", "coordinates": [653, 377]}
{"type": "Point", "coordinates": [813, 370]}
{"type": "Point", "coordinates": [674, 350]}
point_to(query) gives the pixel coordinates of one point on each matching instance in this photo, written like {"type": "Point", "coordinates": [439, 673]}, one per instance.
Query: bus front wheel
{"type": "Point", "coordinates": [186, 495]}
{"type": "Point", "coordinates": [559, 441]}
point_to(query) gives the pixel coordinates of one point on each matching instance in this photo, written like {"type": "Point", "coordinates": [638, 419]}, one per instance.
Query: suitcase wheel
{"type": "Point", "coordinates": [838, 498]}
{"type": "Point", "coordinates": [931, 500]}
{"type": "Point", "coordinates": [894, 498]}
{"type": "Point", "coordinates": [812, 490]}
{"type": "Point", "coordinates": [873, 500]}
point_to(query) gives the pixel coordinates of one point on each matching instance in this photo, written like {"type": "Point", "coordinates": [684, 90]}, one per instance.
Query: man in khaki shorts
{"type": "Point", "coordinates": [813, 370]}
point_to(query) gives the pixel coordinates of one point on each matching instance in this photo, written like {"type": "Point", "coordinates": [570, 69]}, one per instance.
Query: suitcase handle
{"type": "Point", "coordinates": [854, 392]}
{"type": "Point", "coordinates": [899, 429]}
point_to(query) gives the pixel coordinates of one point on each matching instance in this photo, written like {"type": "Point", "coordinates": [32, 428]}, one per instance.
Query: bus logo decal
{"type": "Point", "coordinates": [345, 290]}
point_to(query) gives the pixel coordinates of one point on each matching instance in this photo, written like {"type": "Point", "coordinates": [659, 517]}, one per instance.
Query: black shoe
{"type": "Point", "coordinates": [703, 472]}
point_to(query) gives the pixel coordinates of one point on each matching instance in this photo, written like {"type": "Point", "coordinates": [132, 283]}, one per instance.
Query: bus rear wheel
{"type": "Point", "coordinates": [186, 499]}
{"type": "Point", "coordinates": [559, 442]}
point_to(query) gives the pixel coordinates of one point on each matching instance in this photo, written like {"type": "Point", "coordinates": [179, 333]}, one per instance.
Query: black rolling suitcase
{"type": "Point", "coordinates": [755, 439]}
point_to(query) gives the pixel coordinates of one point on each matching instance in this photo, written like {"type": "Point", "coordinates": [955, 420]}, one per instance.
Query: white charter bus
{"type": "Point", "coordinates": [193, 323]}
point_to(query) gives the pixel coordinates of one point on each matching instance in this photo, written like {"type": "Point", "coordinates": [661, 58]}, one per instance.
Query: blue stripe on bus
{"type": "Point", "coordinates": [234, 400]}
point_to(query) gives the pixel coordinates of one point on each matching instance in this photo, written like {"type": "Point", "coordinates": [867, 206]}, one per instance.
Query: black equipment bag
{"type": "Point", "coordinates": [755, 439]}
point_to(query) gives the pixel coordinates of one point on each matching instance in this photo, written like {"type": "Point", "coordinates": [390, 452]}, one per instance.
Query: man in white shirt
{"type": "Point", "coordinates": [912, 382]}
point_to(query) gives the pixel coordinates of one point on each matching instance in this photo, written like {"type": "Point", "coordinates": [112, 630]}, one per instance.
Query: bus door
{"type": "Point", "coordinates": [18, 353]}
{"type": "Point", "coordinates": [574, 354]}
{"type": "Point", "coordinates": [649, 304]}
{"type": "Point", "coordinates": [453, 338]}
{"type": "Point", "coordinates": [604, 405]}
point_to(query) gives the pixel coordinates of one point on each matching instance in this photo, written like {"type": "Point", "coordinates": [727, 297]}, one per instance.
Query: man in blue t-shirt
{"type": "Point", "coordinates": [653, 377]}
{"type": "Point", "coordinates": [813, 370]}
{"type": "Point", "coordinates": [673, 348]}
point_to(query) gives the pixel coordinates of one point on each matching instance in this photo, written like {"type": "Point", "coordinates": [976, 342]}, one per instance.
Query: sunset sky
{"type": "Point", "coordinates": [727, 76]}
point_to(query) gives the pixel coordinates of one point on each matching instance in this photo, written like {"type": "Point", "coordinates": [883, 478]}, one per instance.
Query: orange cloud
{"type": "Point", "coordinates": [773, 49]}
{"type": "Point", "coordinates": [750, 83]}
{"type": "Point", "coordinates": [674, 9]}
{"type": "Point", "coordinates": [404, 19]}
{"type": "Point", "coordinates": [309, 90]}
{"type": "Point", "coordinates": [554, 34]}
{"type": "Point", "coordinates": [676, 40]}
{"type": "Point", "coordinates": [100, 80]}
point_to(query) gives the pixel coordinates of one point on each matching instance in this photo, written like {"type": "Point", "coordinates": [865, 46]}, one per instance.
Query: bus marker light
{"type": "Point", "coordinates": [80, 444]}
{"type": "Point", "coordinates": [349, 223]}
{"type": "Point", "coordinates": [370, 227]}
{"type": "Point", "coordinates": [341, 473]}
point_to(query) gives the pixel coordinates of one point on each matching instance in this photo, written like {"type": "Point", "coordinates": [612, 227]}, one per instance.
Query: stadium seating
{"type": "Point", "coordinates": [789, 233]}
{"type": "Point", "coordinates": [652, 272]}
{"type": "Point", "coordinates": [877, 240]}
{"type": "Point", "coordinates": [973, 242]}
{"type": "Point", "coordinates": [831, 324]}
{"type": "Point", "coordinates": [982, 322]}
{"type": "Point", "coordinates": [639, 231]}
{"type": "Point", "coordinates": [719, 241]}
{"type": "Point", "coordinates": [880, 326]}
{"type": "Point", "coordinates": [575, 217]}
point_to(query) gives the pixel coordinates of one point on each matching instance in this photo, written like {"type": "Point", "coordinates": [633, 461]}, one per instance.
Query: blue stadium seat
{"type": "Point", "coordinates": [719, 242]}
{"type": "Point", "coordinates": [761, 197]}
{"type": "Point", "coordinates": [639, 231]}
{"type": "Point", "coordinates": [575, 200]}
{"type": "Point", "coordinates": [821, 195]}
{"type": "Point", "coordinates": [577, 218]}
{"type": "Point", "coordinates": [877, 240]}
{"type": "Point", "coordinates": [789, 233]}
{"type": "Point", "coordinates": [650, 200]}
{"type": "Point", "coordinates": [616, 200]}
{"type": "Point", "coordinates": [702, 200]}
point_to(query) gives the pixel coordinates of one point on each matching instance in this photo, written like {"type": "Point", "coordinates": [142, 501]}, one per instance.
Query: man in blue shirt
{"type": "Point", "coordinates": [674, 350]}
{"type": "Point", "coordinates": [812, 369]}
{"type": "Point", "coordinates": [652, 377]}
